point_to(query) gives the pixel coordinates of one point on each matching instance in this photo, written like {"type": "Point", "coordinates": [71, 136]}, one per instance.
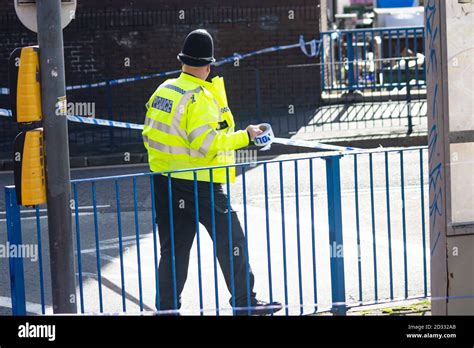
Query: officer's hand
{"type": "Point", "coordinates": [253, 131]}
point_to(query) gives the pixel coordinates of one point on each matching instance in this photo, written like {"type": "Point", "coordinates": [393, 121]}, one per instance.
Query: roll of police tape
{"type": "Point", "coordinates": [266, 137]}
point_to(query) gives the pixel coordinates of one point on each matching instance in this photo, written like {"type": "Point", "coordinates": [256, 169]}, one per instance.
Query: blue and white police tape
{"type": "Point", "coordinates": [264, 140]}
{"type": "Point", "coordinates": [314, 45]}
{"type": "Point", "coordinates": [102, 122]}
{"type": "Point", "coordinates": [5, 113]}
{"type": "Point", "coordinates": [267, 138]}
{"type": "Point", "coordinates": [90, 120]}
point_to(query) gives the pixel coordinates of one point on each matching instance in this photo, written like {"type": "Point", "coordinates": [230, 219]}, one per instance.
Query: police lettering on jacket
{"type": "Point", "coordinates": [162, 104]}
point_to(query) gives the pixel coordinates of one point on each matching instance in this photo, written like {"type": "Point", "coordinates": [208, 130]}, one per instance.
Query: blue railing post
{"type": "Point", "coordinates": [17, 281]}
{"type": "Point", "coordinates": [350, 59]}
{"type": "Point", "coordinates": [338, 288]}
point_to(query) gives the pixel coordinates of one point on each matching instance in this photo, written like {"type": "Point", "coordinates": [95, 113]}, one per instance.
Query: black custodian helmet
{"type": "Point", "coordinates": [198, 49]}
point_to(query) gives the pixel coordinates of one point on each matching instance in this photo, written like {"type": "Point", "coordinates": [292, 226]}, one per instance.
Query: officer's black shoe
{"type": "Point", "coordinates": [258, 307]}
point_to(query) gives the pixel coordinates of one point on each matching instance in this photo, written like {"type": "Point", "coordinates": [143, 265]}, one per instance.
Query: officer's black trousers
{"type": "Point", "coordinates": [184, 227]}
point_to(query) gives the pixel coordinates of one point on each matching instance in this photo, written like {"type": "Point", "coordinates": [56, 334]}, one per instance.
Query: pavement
{"type": "Point", "coordinates": [297, 269]}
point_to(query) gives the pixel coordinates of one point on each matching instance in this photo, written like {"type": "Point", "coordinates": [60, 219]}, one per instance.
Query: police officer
{"type": "Point", "coordinates": [189, 125]}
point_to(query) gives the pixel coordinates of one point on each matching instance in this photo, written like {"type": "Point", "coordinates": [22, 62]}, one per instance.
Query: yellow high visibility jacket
{"type": "Point", "coordinates": [188, 124]}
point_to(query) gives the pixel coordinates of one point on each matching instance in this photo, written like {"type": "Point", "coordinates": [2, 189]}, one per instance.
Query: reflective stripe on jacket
{"type": "Point", "coordinates": [188, 124]}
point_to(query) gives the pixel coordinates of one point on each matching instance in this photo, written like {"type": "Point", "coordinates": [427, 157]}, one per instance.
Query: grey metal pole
{"type": "Point", "coordinates": [53, 87]}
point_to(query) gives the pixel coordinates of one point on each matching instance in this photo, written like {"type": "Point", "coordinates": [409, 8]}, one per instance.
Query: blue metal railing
{"type": "Point", "coordinates": [373, 58]}
{"type": "Point", "coordinates": [17, 282]}
{"type": "Point", "coordinates": [289, 254]}
{"type": "Point", "coordinates": [338, 287]}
